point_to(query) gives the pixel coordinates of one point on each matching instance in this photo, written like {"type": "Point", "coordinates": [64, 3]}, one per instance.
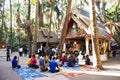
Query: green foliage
{"type": "Point", "coordinates": [3, 27]}
{"type": "Point", "coordinates": [17, 5]}
{"type": "Point", "coordinates": [113, 13]}
{"type": "Point", "coordinates": [1, 1]}
{"type": "Point", "coordinates": [33, 21]}
{"type": "Point", "coordinates": [46, 25]}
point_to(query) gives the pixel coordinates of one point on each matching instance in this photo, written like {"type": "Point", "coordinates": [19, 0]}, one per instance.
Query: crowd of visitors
{"type": "Point", "coordinates": [50, 61]}
{"type": "Point", "coordinates": [53, 64]}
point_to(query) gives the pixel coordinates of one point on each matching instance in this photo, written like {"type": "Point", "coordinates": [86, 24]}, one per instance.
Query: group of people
{"type": "Point", "coordinates": [32, 62]}
{"type": "Point", "coordinates": [72, 59]}
{"type": "Point", "coordinates": [50, 62]}
{"type": "Point", "coordinates": [44, 63]}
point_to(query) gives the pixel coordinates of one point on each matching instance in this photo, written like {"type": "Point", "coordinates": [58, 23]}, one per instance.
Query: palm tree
{"type": "Point", "coordinates": [101, 6]}
{"type": "Point", "coordinates": [114, 29]}
{"type": "Point", "coordinates": [95, 48]}
{"type": "Point", "coordinates": [64, 31]}
{"type": "Point", "coordinates": [113, 20]}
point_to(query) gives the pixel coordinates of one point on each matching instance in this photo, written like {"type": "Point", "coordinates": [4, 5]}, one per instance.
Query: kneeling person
{"type": "Point", "coordinates": [54, 66]}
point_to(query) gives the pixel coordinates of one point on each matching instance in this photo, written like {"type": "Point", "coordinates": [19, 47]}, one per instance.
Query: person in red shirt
{"type": "Point", "coordinates": [64, 58]}
{"type": "Point", "coordinates": [33, 63]}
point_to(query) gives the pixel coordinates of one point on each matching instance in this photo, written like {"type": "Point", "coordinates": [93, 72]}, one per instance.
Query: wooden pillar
{"type": "Point", "coordinates": [105, 47]}
{"type": "Point", "coordinates": [109, 46]}
{"type": "Point", "coordinates": [87, 45]}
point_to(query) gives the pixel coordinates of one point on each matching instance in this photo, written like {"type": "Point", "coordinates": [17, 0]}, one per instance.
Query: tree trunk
{"type": "Point", "coordinates": [28, 29]}
{"type": "Point", "coordinates": [64, 30]}
{"type": "Point", "coordinates": [10, 25]}
{"type": "Point", "coordinates": [36, 27]}
{"type": "Point", "coordinates": [95, 44]}
{"type": "Point", "coordinates": [40, 14]}
{"type": "Point", "coordinates": [29, 10]}
{"type": "Point", "coordinates": [29, 34]}
{"type": "Point", "coordinates": [48, 39]}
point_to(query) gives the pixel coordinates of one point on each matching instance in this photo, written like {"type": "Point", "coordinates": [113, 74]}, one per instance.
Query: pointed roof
{"type": "Point", "coordinates": [43, 34]}
{"type": "Point", "coordinates": [81, 17]}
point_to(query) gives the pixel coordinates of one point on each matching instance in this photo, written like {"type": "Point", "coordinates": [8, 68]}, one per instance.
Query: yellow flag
{"type": "Point", "coordinates": [33, 2]}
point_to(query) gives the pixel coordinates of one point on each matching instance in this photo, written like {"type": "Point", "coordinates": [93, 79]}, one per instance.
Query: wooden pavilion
{"type": "Point", "coordinates": [79, 33]}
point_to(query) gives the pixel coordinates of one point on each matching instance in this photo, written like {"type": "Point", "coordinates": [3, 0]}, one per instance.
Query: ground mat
{"type": "Point", "coordinates": [28, 73]}
{"type": "Point", "coordinates": [76, 67]}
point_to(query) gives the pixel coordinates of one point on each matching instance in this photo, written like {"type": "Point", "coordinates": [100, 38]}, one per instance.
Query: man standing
{"type": "Point", "coordinates": [25, 51]}
{"type": "Point", "coordinates": [8, 55]}
{"type": "Point", "coordinates": [20, 51]}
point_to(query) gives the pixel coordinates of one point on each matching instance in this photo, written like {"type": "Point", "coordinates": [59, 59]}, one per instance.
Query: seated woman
{"type": "Point", "coordinates": [15, 63]}
{"type": "Point", "coordinates": [42, 63]}
{"type": "Point", "coordinates": [87, 60]}
{"type": "Point", "coordinates": [33, 62]}
{"type": "Point", "coordinates": [29, 60]}
{"type": "Point", "coordinates": [71, 61]}
{"type": "Point", "coordinates": [64, 58]}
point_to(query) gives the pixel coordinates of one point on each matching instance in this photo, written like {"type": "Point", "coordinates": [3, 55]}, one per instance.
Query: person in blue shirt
{"type": "Point", "coordinates": [15, 63]}
{"type": "Point", "coordinates": [42, 63]}
{"type": "Point", "coordinates": [54, 66]}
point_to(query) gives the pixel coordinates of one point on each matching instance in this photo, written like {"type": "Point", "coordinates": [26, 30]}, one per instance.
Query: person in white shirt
{"type": "Point", "coordinates": [81, 60]}
{"type": "Point", "coordinates": [20, 51]}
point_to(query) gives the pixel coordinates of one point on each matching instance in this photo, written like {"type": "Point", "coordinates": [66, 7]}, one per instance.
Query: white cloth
{"type": "Point", "coordinates": [81, 61]}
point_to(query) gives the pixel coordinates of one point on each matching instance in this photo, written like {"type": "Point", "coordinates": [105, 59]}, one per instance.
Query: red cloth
{"type": "Point", "coordinates": [64, 59]}
{"type": "Point", "coordinates": [33, 61]}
